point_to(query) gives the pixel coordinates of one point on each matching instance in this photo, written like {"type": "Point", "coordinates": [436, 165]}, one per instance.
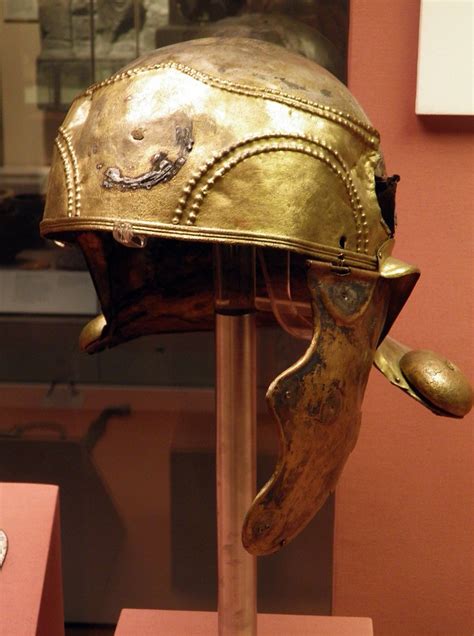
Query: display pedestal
{"type": "Point", "coordinates": [171, 623]}
{"type": "Point", "coordinates": [31, 596]}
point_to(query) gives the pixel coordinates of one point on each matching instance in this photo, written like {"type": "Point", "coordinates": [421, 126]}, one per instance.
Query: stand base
{"type": "Point", "coordinates": [172, 623]}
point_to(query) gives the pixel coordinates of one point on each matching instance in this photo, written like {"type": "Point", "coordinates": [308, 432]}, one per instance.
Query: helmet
{"type": "Point", "coordinates": [170, 145]}
{"type": "Point", "coordinates": [237, 141]}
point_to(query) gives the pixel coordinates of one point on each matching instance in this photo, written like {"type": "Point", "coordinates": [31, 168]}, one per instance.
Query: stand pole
{"type": "Point", "coordinates": [236, 437]}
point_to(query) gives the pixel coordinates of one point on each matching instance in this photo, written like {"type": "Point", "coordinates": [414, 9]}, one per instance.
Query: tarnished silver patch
{"type": "Point", "coordinates": [3, 547]}
{"type": "Point", "coordinates": [162, 170]}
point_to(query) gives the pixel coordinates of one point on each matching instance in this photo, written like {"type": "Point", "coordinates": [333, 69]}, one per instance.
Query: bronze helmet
{"type": "Point", "coordinates": [237, 141]}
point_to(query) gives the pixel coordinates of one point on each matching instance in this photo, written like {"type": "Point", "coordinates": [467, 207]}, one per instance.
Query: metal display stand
{"type": "Point", "coordinates": [234, 267]}
{"type": "Point", "coordinates": [236, 436]}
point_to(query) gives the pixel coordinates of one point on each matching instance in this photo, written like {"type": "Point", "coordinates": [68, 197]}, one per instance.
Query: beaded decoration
{"type": "Point", "coordinates": [355, 125]}
{"type": "Point", "coordinates": [202, 181]}
{"type": "Point", "coordinates": [68, 157]}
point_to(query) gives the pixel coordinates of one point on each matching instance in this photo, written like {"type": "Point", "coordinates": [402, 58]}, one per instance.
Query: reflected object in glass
{"type": "Point", "coordinates": [285, 31]}
{"type": "Point", "coordinates": [284, 159]}
{"type": "Point", "coordinates": [20, 216]}
{"type": "Point", "coordinates": [209, 10]}
{"type": "Point", "coordinates": [77, 44]}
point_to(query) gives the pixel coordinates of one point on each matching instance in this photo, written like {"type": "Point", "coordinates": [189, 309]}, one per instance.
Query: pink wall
{"type": "Point", "coordinates": [404, 524]}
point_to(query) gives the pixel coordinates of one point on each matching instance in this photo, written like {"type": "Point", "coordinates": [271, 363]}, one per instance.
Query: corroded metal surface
{"type": "Point", "coordinates": [163, 168]}
{"type": "Point", "coordinates": [317, 405]}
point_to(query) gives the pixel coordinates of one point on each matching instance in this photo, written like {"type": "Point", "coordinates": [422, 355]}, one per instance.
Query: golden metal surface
{"type": "Point", "coordinates": [427, 377]}
{"type": "Point", "coordinates": [92, 332]}
{"type": "Point", "coordinates": [401, 278]}
{"type": "Point", "coordinates": [438, 380]}
{"type": "Point", "coordinates": [171, 144]}
{"type": "Point", "coordinates": [236, 470]}
{"type": "Point", "coordinates": [317, 404]}
{"type": "Point", "coordinates": [237, 141]}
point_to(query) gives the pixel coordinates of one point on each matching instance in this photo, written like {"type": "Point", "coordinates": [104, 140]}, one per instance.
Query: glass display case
{"type": "Point", "coordinates": [152, 540]}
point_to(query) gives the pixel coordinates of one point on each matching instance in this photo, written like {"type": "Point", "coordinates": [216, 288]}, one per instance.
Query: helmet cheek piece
{"type": "Point", "coordinates": [317, 403]}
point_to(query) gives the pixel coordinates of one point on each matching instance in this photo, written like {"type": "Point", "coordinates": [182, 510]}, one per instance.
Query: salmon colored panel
{"type": "Point", "coordinates": [404, 523]}
{"type": "Point", "coordinates": [167, 622]}
{"type": "Point", "coordinates": [31, 601]}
